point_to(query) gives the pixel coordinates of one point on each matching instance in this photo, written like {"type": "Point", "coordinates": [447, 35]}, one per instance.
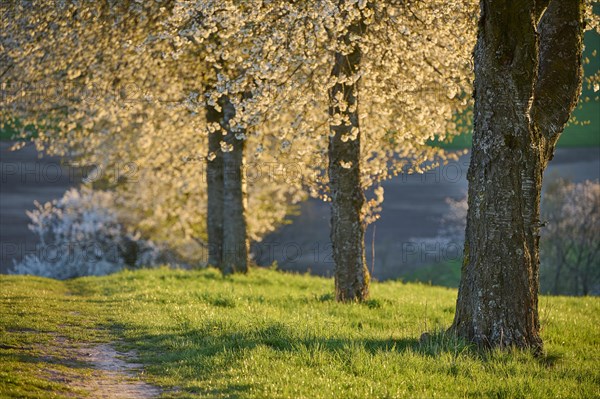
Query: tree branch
{"type": "Point", "coordinates": [560, 72]}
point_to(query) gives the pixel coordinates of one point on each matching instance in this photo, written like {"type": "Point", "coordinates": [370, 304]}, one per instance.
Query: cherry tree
{"type": "Point", "coordinates": [528, 77]}
{"type": "Point", "coordinates": [370, 83]}
{"type": "Point", "coordinates": [363, 85]}
{"type": "Point", "coordinates": [133, 105]}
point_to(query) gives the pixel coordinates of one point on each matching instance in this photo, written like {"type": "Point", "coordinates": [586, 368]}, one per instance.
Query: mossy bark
{"type": "Point", "coordinates": [347, 196]}
{"type": "Point", "coordinates": [518, 117]}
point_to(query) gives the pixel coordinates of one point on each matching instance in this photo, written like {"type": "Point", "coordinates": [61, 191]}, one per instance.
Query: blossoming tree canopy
{"type": "Point", "coordinates": [129, 99]}
{"type": "Point", "coordinates": [271, 62]}
{"type": "Point", "coordinates": [360, 68]}
{"type": "Point", "coordinates": [414, 79]}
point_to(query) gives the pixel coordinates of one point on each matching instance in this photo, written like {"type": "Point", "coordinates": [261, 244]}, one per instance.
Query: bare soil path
{"type": "Point", "coordinates": [97, 371]}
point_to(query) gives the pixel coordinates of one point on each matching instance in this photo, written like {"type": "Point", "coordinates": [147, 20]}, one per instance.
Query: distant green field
{"type": "Point", "coordinates": [445, 274]}
{"type": "Point", "coordinates": [587, 135]}
{"type": "Point", "coordinates": [584, 133]}
{"type": "Point", "coordinates": [12, 129]}
{"type": "Point", "coordinates": [275, 335]}
{"type": "Point", "coordinates": [575, 135]}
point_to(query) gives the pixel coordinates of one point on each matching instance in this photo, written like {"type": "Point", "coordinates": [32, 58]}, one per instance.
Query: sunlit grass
{"type": "Point", "coordinates": [271, 334]}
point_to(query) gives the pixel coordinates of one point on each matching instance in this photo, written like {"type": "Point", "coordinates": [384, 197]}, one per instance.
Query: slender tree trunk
{"type": "Point", "coordinates": [516, 127]}
{"type": "Point", "coordinates": [235, 240]}
{"type": "Point", "coordinates": [557, 276]}
{"type": "Point", "coordinates": [214, 182]}
{"type": "Point", "coordinates": [347, 227]}
{"type": "Point", "coordinates": [584, 286]}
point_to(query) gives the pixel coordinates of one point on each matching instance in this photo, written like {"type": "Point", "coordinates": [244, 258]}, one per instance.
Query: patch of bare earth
{"type": "Point", "coordinates": [106, 372]}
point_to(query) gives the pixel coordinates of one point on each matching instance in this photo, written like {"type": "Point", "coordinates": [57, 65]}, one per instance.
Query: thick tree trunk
{"type": "Point", "coordinates": [347, 227]}
{"type": "Point", "coordinates": [214, 183]}
{"type": "Point", "coordinates": [235, 240]}
{"type": "Point", "coordinates": [498, 295]}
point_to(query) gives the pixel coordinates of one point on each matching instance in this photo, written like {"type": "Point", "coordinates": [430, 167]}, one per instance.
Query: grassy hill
{"type": "Point", "coordinates": [276, 335]}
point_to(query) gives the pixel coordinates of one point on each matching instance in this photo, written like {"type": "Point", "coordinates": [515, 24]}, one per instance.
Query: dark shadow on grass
{"type": "Point", "coordinates": [232, 391]}
{"type": "Point", "coordinates": [43, 358]}
{"type": "Point", "coordinates": [549, 360]}
{"type": "Point", "coordinates": [214, 349]}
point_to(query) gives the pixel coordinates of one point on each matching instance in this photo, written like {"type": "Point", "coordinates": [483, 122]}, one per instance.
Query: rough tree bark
{"type": "Point", "coordinates": [214, 183]}
{"type": "Point", "coordinates": [347, 196]}
{"type": "Point", "coordinates": [527, 81]}
{"type": "Point", "coordinates": [235, 239]}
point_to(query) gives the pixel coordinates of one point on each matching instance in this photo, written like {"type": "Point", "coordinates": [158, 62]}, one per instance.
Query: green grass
{"type": "Point", "coordinates": [586, 134]}
{"type": "Point", "coordinates": [445, 274]}
{"type": "Point", "coordinates": [276, 335]}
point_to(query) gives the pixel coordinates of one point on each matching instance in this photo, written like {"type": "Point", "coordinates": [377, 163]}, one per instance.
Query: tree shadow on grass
{"type": "Point", "coordinates": [232, 391]}
{"type": "Point", "coordinates": [211, 351]}
{"type": "Point", "coordinates": [58, 359]}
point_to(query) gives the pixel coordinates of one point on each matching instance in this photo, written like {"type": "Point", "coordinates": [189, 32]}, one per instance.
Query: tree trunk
{"type": "Point", "coordinates": [347, 196]}
{"type": "Point", "coordinates": [214, 183]}
{"type": "Point", "coordinates": [515, 128]}
{"type": "Point", "coordinates": [557, 276]}
{"type": "Point", "coordinates": [235, 241]}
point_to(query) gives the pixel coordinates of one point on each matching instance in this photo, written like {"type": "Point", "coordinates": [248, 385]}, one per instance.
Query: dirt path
{"type": "Point", "coordinates": [107, 373]}
{"type": "Point", "coordinates": [114, 377]}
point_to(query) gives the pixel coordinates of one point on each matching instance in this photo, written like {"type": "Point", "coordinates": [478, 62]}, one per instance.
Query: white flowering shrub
{"type": "Point", "coordinates": [454, 222]}
{"type": "Point", "coordinates": [452, 226]}
{"type": "Point", "coordinates": [80, 235]}
{"type": "Point", "coordinates": [569, 244]}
